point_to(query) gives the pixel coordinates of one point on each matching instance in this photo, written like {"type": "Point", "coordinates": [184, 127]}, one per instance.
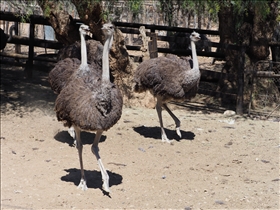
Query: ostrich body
{"type": "Point", "coordinates": [91, 103]}
{"type": "Point", "coordinates": [69, 62]}
{"type": "Point", "coordinates": [169, 78]}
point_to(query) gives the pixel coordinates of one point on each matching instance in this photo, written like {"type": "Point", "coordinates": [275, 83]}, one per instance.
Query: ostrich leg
{"type": "Point", "coordinates": [176, 120]}
{"type": "Point", "coordinates": [95, 151]}
{"type": "Point", "coordinates": [83, 182]}
{"type": "Point", "coordinates": [71, 132]}
{"type": "Point", "coordinates": [159, 111]}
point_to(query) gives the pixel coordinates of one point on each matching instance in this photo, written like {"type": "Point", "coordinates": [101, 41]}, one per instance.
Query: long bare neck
{"type": "Point", "coordinates": [194, 56]}
{"type": "Point", "coordinates": [105, 59]}
{"type": "Point", "coordinates": [83, 51]}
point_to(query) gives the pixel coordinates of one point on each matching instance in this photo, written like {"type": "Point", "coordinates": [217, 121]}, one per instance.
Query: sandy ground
{"type": "Point", "coordinates": [220, 162]}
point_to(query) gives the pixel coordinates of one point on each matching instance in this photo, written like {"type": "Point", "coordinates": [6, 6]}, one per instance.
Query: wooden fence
{"type": "Point", "coordinates": [129, 28]}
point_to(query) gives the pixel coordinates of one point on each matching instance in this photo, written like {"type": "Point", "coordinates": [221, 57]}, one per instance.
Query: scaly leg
{"type": "Point", "coordinates": [83, 182]}
{"type": "Point", "coordinates": [176, 120]}
{"type": "Point", "coordinates": [95, 151]}
{"type": "Point", "coordinates": [159, 111]}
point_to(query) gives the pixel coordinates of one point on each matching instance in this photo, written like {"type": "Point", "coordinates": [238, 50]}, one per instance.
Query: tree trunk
{"type": "Point", "coordinates": [255, 31]}
{"type": "Point", "coordinates": [227, 34]}
{"type": "Point", "coordinates": [276, 49]}
{"type": "Point", "coordinates": [66, 31]}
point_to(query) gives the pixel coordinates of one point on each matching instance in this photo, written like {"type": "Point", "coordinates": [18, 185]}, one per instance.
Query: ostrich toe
{"type": "Point", "coordinates": [164, 138]}
{"type": "Point", "coordinates": [178, 132]}
{"type": "Point", "coordinates": [83, 185]}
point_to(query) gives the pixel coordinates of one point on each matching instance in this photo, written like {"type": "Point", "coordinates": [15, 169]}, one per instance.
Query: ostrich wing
{"type": "Point", "coordinates": [62, 71]}
{"type": "Point", "coordinates": [169, 77]}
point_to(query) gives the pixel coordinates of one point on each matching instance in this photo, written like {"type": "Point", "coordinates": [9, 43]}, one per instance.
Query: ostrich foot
{"type": "Point", "coordinates": [83, 185]}
{"type": "Point", "coordinates": [72, 133]}
{"type": "Point", "coordinates": [165, 139]}
{"type": "Point", "coordinates": [178, 132]}
{"type": "Point", "coordinates": [106, 187]}
{"type": "Point", "coordinates": [105, 177]}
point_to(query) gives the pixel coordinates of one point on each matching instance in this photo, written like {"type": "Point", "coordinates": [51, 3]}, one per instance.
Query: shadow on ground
{"type": "Point", "coordinates": [94, 178]}
{"type": "Point", "coordinates": [21, 94]}
{"type": "Point", "coordinates": [154, 132]}
{"type": "Point", "coordinates": [87, 138]}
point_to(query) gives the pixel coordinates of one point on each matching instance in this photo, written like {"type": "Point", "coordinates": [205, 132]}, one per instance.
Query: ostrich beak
{"type": "Point", "coordinates": [89, 34]}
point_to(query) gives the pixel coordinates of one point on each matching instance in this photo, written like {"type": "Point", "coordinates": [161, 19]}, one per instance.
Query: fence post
{"type": "Point", "coordinates": [240, 81]}
{"type": "Point", "coordinates": [29, 63]}
{"type": "Point", "coordinates": [153, 46]}
{"type": "Point", "coordinates": [17, 32]}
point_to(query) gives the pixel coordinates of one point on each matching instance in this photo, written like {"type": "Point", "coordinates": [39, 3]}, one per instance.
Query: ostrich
{"type": "Point", "coordinates": [5, 38]}
{"type": "Point", "coordinates": [91, 103]}
{"type": "Point", "coordinates": [169, 78]}
{"type": "Point", "coordinates": [182, 41]}
{"type": "Point", "coordinates": [59, 75]}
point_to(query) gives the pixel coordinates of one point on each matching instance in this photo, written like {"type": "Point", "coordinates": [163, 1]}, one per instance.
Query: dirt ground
{"type": "Point", "coordinates": [221, 162]}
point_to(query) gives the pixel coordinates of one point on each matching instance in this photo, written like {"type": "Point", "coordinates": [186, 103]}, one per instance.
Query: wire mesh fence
{"type": "Point", "coordinates": [265, 92]}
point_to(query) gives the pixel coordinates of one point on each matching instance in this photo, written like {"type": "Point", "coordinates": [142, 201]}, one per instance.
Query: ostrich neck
{"type": "Point", "coordinates": [83, 51]}
{"type": "Point", "coordinates": [105, 59]}
{"type": "Point", "coordinates": [194, 56]}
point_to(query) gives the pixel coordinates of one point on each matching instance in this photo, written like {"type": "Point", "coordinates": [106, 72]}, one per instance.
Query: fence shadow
{"type": "Point", "coordinates": [25, 95]}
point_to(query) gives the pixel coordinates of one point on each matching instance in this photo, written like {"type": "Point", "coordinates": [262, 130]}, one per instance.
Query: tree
{"type": "Point", "coordinates": [248, 23]}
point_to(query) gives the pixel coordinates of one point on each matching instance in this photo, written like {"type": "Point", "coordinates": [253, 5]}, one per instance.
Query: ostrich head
{"type": "Point", "coordinates": [108, 30]}
{"type": "Point", "coordinates": [84, 30]}
{"type": "Point", "coordinates": [194, 36]}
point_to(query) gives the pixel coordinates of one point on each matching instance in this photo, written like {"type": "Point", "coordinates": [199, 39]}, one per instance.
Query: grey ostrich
{"type": "Point", "coordinates": [91, 103]}
{"type": "Point", "coordinates": [169, 78]}
{"type": "Point", "coordinates": [59, 75]}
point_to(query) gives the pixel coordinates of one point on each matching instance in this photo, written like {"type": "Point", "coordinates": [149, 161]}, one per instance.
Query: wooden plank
{"type": "Point", "coordinates": [268, 74]}
{"type": "Point", "coordinates": [36, 19]}
{"type": "Point", "coordinates": [37, 42]}
{"type": "Point", "coordinates": [165, 28]}
{"type": "Point", "coordinates": [23, 56]}
{"type": "Point", "coordinates": [14, 55]}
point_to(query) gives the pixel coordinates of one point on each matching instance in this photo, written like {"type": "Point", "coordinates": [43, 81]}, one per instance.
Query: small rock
{"type": "Point", "coordinates": [265, 161]}
{"type": "Point", "coordinates": [141, 149]}
{"type": "Point", "coordinates": [229, 113]}
{"type": "Point", "coordinates": [219, 202]}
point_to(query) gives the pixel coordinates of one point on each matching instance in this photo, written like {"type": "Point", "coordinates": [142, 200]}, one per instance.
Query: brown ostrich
{"type": "Point", "coordinates": [169, 78]}
{"type": "Point", "coordinates": [91, 103]}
